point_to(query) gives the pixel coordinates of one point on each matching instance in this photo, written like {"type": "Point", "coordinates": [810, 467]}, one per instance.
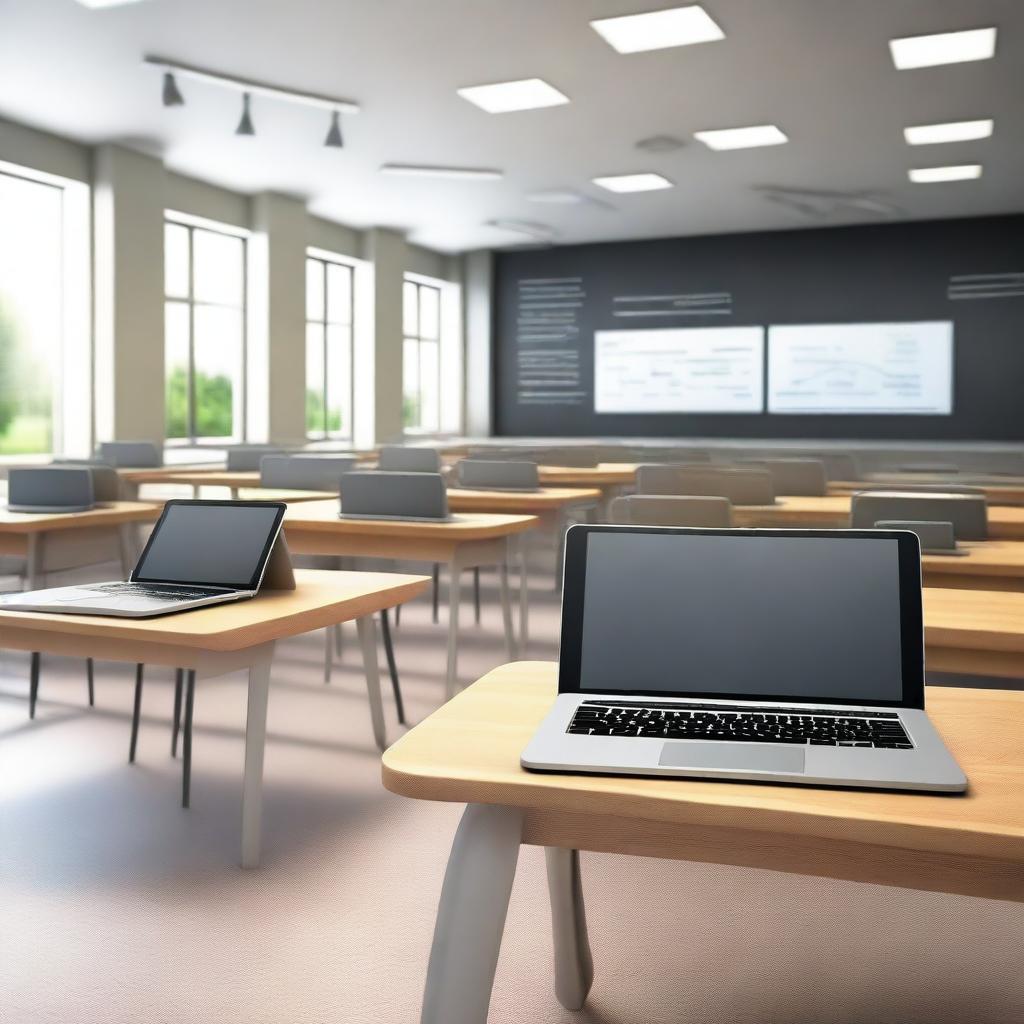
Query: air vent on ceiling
{"type": "Point", "coordinates": [820, 204]}
{"type": "Point", "coordinates": [986, 286]}
{"type": "Point", "coordinates": [660, 144]}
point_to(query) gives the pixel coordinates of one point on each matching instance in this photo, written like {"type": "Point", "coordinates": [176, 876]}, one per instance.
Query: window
{"type": "Point", "coordinates": [31, 313]}
{"type": "Point", "coordinates": [204, 332]}
{"type": "Point", "coordinates": [328, 349]}
{"type": "Point", "coordinates": [421, 357]}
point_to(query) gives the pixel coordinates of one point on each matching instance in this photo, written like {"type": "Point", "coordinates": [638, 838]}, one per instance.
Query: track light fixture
{"type": "Point", "coordinates": [245, 125]}
{"type": "Point", "coordinates": [172, 94]}
{"type": "Point", "coordinates": [334, 139]}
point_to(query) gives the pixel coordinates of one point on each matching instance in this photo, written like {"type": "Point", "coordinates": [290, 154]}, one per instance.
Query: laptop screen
{"type": "Point", "coordinates": [808, 616]}
{"type": "Point", "coordinates": [216, 544]}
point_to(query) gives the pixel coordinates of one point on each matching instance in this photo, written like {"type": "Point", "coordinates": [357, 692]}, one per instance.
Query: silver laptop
{"type": "Point", "coordinates": [199, 553]}
{"type": "Point", "coordinates": [756, 655]}
{"type": "Point", "coordinates": [374, 494]}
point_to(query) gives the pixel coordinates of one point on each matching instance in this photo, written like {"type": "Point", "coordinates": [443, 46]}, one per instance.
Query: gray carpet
{"type": "Point", "coordinates": [117, 906]}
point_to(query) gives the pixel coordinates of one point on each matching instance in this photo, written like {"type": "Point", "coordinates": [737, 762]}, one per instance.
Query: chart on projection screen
{"type": "Point", "coordinates": [887, 368]}
{"type": "Point", "coordinates": [679, 369]}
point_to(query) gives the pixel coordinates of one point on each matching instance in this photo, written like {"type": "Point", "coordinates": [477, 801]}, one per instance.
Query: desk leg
{"type": "Point", "coordinates": [506, 610]}
{"type": "Point", "coordinates": [524, 595]}
{"type": "Point", "coordinates": [33, 562]}
{"type": "Point", "coordinates": [471, 915]}
{"type": "Point", "coordinates": [328, 655]}
{"type": "Point", "coordinates": [368, 641]}
{"type": "Point", "coordinates": [454, 596]}
{"type": "Point", "coordinates": [574, 966]}
{"type": "Point", "coordinates": [255, 741]}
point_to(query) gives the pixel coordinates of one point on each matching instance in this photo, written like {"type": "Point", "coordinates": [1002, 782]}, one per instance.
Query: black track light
{"type": "Point", "coordinates": [172, 95]}
{"type": "Point", "coordinates": [245, 125]}
{"type": "Point", "coordinates": [334, 139]}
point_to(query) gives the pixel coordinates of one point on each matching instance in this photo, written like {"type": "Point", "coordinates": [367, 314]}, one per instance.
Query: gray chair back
{"type": "Point", "coordinates": [740, 486]}
{"type": "Point", "coordinates": [967, 512]}
{"type": "Point", "coordinates": [499, 474]}
{"type": "Point", "coordinates": [794, 476]}
{"type": "Point", "coordinates": [50, 489]}
{"type": "Point", "coordinates": [305, 472]}
{"type": "Point", "coordinates": [395, 458]}
{"type": "Point", "coordinates": [649, 453]}
{"type": "Point", "coordinates": [106, 484]}
{"type": "Point", "coordinates": [671, 510]}
{"type": "Point", "coordinates": [838, 465]}
{"type": "Point", "coordinates": [246, 458]}
{"type": "Point", "coordinates": [929, 467]}
{"type": "Point", "coordinates": [575, 458]}
{"type": "Point", "coordinates": [378, 494]}
{"type": "Point", "coordinates": [132, 454]}
{"type": "Point", "coordinates": [934, 537]}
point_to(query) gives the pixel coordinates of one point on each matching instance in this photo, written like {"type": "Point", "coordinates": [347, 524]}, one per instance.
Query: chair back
{"type": "Point", "coordinates": [572, 457]}
{"type": "Point", "coordinates": [131, 454]}
{"type": "Point", "coordinates": [967, 512]}
{"type": "Point", "coordinates": [305, 472]}
{"type": "Point", "coordinates": [50, 489]}
{"type": "Point", "coordinates": [499, 474]}
{"type": "Point", "coordinates": [794, 476]}
{"type": "Point", "coordinates": [740, 486]}
{"type": "Point", "coordinates": [929, 467]}
{"type": "Point", "coordinates": [246, 458]}
{"type": "Point", "coordinates": [933, 536]}
{"type": "Point", "coordinates": [379, 494]}
{"type": "Point", "coordinates": [395, 458]}
{"type": "Point", "coordinates": [671, 510]}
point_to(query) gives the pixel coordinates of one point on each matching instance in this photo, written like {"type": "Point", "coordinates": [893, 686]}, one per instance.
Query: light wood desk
{"type": "Point", "coordinates": [997, 492]}
{"type": "Point", "coordinates": [1005, 522]}
{"type": "Point", "coordinates": [463, 542]}
{"type": "Point", "coordinates": [30, 535]}
{"type": "Point", "coordinates": [984, 565]}
{"type": "Point", "coordinates": [468, 752]}
{"type": "Point", "coordinates": [605, 474]}
{"type": "Point", "coordinates": [226, 638]}
{"type": "Point", "coordinates": [974, 632]}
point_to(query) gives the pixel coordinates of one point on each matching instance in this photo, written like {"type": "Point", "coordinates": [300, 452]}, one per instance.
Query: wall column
{"type": "Point", "coordinates": [128, 248]}
{"type": "Point", "coordinates": [276, 344]}
{"type": "Point", "coordinates": [478, 297]}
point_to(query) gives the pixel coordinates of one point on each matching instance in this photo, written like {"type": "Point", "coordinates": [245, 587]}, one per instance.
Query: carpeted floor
{"type": "Point", "coordinates": [118, 906]}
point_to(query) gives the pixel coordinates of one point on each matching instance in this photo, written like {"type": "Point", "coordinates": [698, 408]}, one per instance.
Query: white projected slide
{"type": "Point", "coordinates": [679, 369]}
{"type": "Point", "coordinates": [861, 368]}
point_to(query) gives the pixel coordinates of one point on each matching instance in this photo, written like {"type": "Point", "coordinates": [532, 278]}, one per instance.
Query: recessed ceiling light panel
{"type": "Point", "coordinates": [555, 196]}
{"type": "Point", "coordinates": [106, 3]}
{"type": "Point", "coordinates": [633, 182]}
{"type": "Point", "coordinates": [951, 131]}
{"type": "Point", "coordinates": [943, 48]}
{"type": "Point", "coordinates": [742, 138]}
{"type": "Point", "coordinates": [928, 175]}
{"type": "Point", "coordinates": [658, 30]}
{"type": "Point", "coordinates": [502, 97]}
{"type": "Point", "coordinates": [421, 171]}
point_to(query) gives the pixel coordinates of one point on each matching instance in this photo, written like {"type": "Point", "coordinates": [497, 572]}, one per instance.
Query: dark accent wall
{"type": "Point", "coordinates": [887, 272]}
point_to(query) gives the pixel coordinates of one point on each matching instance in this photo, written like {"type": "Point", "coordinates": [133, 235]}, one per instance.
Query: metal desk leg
{"type": "Point", "coordinates": [476, 594]}
{"type": "Point", "coordinates": [179, 681]}
{"type": "Point", "coordinates": [524, 596]}
{"type": "Point", "coordinates": [255, 741]}
{"type": "Point", "coordinates": [389, 652]}
{"type": "Point", "coordinates": [368, 641]}
{"type": "Point", "coordinates": [136, 713]}
{"type": "Point", "coordinates": [471, 915]}
{"type": "Point", "coordinates": [574, 966]}
{"type": "Point", "coordinates": [33, 684]}
{"type": "Point", "coordinates": [436, 586]}
{"type": "Point", "coordinates": [506, 610]}
{"type": "Point", "coordinates": [90, 681]}
{"type": "Point", "coordinates": [454, 595]}
{"type": "Point", "coordinates": [328, 655]}
{"type": "Point", "coordinates": [186, 743]}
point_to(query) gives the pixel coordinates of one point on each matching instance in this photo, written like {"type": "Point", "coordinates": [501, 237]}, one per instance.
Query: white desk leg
{"type": "Point", "coordinates": [574, 966]}
{"type": "Point", "coordinates": [255, 741]}
{"type": "Point", "coordinates": [454, 599]}
{"type": "Point", "coordinates": [524, 596]}
{"type": "Point", "coordinates": [33, 563]}
{"type": "Point", "coordinates": [506, 610]}
{"type": "Point", "coordinates": [471, 915]}
{"type": "Point", "coordinates": [368, 641]}
{"type": "Point", "coordinates": [328, 655]}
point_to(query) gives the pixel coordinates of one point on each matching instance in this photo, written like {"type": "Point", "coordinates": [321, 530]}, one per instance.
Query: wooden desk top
{"type": "Point", "coordinates": [112, 513]}
{"type": "Point", "coordinates": [982, 558]}
{"type": "Point", "coordinates": [998, 492]}
{"type": "Point", "coordinates": [543, 500]}
{"type": "Point", "coordinates": [217, 477]}
{"type": "Point", "coordinates": [979, 620]}
{"type": "Point", "coordinates": [159, 474]}
{"type": "Point", "coordinates": [322, 516]}
{"type": "Point", "coordinates": [321, 598]}
{"type": "Point", "coordinates": [604, 474]}
{"type": "Point", "coordinates": [282, 494]}
{"type": "Point", "coordinates": [468, 751]}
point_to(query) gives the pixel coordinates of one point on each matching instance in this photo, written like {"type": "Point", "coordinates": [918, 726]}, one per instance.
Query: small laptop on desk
{"type": "Point", "coordinates": [755, 655]}
{"type": "Point", "coordinates": [199, 553]}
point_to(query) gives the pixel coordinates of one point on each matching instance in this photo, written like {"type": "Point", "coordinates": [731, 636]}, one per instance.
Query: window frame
{"type": "Point", "coordinates": [324, 261]}
{"type": "Point", "coordinates": [417, 337]}
{"type": "Point", "coordinates": [191, 225]}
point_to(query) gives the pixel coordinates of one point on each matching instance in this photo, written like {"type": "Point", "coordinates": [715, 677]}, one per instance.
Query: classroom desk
{"type": "Point", "coordinates": [974, 632]}
{"type": "Point", "coordinates": [606, 474]}
{"type": "Point", "coordinates": [468, 752]}
{"type": "Point", "coordinates": [226, 638]}
{"type": "Point", "coordinates": [465, 541]}
{"type": "Point", "coordinates": [26, 534]}
{"type": "Point", "coordinates": [1009, 491]}
{"type": "Point", "coordinates": [1005, 522]}
{"type": "Point", "coordinates": [984, 565]}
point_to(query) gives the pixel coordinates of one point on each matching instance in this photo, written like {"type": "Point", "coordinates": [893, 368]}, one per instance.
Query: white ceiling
{"type": "Point", "coordinates": [820, 69]}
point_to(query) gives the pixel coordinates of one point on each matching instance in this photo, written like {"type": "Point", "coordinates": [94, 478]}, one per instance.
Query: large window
{"type": "Point", "coordinates": [328, 349]}
{"type": "Point", "coordinates": [31, 313]}
{"type": "Point", "coordinates": [204, 332]}
{"type": "Point", "coordinates": [421, 393]}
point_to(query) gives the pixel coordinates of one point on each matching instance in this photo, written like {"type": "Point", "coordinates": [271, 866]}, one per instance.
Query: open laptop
{"type": "Point", "coordinates": [199, 553]}
{"type": "Point", "coordinates": [376, 494]}
{"type": "Point", "coordinates": [756, 655]}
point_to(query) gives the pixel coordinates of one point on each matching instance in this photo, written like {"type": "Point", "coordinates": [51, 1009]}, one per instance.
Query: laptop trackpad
{"type": "Point", "coordinates": [740, 757]}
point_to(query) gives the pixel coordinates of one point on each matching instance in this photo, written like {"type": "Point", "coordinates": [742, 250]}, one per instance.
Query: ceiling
{"type": "Point", "coordinates": [820, 69]}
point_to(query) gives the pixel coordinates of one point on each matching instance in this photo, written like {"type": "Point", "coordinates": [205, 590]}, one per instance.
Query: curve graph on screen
{"type": "Point", "coordinates": [679, 369]}
{"type": "Point", "coordinates": [883, 368]}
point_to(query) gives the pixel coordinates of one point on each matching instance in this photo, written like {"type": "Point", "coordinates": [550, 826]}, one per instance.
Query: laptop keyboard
{"type": "Point", "coordinates": [757, 725]}
{"type": "Point", "coordinates": [162, 593]}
